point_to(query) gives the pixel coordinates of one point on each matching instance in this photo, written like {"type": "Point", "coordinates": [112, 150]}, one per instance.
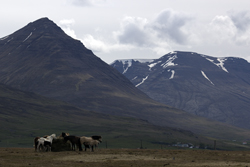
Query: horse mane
{"type": "Point", "coordinates": [96, 137]}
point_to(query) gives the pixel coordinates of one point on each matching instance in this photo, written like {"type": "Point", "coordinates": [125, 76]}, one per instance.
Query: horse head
{"type": "Point", "coordinates": [53, 136]}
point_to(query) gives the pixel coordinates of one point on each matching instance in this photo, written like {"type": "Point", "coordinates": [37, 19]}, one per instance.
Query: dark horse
{"type": "Point", "coordinates": [74, 141]}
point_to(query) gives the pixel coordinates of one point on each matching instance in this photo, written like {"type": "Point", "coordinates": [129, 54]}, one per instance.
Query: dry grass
{"type": "Point", "coordinates": [124, 158]}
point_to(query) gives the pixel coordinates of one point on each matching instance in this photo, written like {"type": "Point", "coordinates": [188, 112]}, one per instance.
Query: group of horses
{"type": "Point", "coordinates": [45, 143]}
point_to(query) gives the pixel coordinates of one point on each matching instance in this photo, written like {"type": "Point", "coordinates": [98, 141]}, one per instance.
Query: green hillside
{"type": "Point", "coordinates": [26, 115]}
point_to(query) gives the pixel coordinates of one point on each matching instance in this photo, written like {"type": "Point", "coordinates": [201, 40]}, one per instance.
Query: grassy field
{"type": "Point", "coordinates": [22, 157]}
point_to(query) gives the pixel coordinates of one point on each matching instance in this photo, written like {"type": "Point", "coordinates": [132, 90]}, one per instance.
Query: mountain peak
{"type": "Point", "coordinates": [42, 27]}
{"type": "Point", "coordinates": [43, 19]}
{"type": "Point", "coordinates": [43, 23]}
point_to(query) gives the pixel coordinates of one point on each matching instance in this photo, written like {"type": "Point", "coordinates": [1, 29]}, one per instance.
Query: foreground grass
{"type": "Point", "coordinates": [22, 157]}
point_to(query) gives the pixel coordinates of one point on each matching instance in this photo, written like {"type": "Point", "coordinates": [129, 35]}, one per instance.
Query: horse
{"type": "Point", "coordinates": [45, 142]}
{"type": "Point", "coordinates": [36, 141]}
{"type": "Point", "coordinates": [90, 141]}
{"type": "Point", "coordinates": [74, 141]}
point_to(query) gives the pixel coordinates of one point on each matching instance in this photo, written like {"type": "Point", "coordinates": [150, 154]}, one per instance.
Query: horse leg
{"type": "Point", "coordinates": [38, 147]}
{"type": "Point", "coordinates": [36, 143]}
{"type": "Point", "coordinates": [48, 148]}
{"type": "Point", "coordinates": [80, 145]}
{"type": "Point", "coordinates": [42, 147]}
{"type": "Point", "coordinates": [80, 148]}
{"type": "Point", "coordinates": [92, 147]}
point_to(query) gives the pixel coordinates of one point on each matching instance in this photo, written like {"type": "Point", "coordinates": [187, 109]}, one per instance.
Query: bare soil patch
{"type": "Point", "coordinates": [23, 157]}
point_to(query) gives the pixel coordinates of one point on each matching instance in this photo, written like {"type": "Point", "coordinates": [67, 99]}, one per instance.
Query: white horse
{"type": "Point", "coordinates": [46, 142]}
{"type": "Point", "coordinates": [92, 142]}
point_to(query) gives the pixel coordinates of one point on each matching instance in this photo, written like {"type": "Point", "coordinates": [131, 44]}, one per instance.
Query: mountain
{"type": "Point", "coordinates": [40, 58]}
{"type": "Point", "coordinates": [211, 87]}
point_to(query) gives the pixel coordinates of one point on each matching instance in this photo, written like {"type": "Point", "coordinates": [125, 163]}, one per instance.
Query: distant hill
{"type": "Point", "coordinates": [42, 59]}
{"type": "Point", "coordinates": [211, 87]}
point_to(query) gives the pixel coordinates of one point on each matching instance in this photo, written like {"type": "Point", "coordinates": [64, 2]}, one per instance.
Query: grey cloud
{"type": "Point", "coordinates": [167, 27]}
{"type": "Point", "coordinates": [132, 34]}
{"type": "Point", "coordinates": [82, 3]}
{"type": "Point", "coordinates": [241, 20]}
{"type": "Point", "coordinates": [169, 24]}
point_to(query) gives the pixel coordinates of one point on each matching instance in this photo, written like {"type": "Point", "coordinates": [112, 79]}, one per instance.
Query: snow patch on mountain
{"type": "Point", "coordinates": [4, 38]}
{"type": "Point", "coordinates": [143, 80]}
{"type": "Point", "coordinates": [205, 76]}
{"type": "Point", "coordinates": [220, 64]}
{"type": "Point", "coordinates": [172, 75]}
{"type": "Point", "coordinates": [128, 63]}
{"type": "Point", "coordinates": [169, 62]}
{"type": "Point", "coordinates": [153, 64]}
{"type": "Point", "coordinates": [27, 37]}
{"type": "Point", "coordinates": [134, 78]}
{"type": "Point", "coordinates": [8, 41]}
{"type": "Point", "coordinates": [174, 52]}
{"type": "Point", "coordinates": [144, 60]}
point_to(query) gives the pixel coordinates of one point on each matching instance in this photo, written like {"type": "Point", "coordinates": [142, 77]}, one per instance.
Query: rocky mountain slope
{"type": "Point", "coordinates": [41, 58]}
{"type": "Point", "coordinates": [217, 88]}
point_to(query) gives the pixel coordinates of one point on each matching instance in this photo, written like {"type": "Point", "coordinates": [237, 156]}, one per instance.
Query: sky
{"type": "Point", "coordinates": [141, 29]}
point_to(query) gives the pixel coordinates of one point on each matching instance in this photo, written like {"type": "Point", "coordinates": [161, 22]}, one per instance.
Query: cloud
{"type": "Point", "coordinates": [67, 22]}
{"type": "Point", "coordinates": [66, 25]}
{"type": "Point", "coordinates": [133, 31]}
{"type": "Point", "coordinates": [171, 30]}
{"type": "Point", "coordinates": [233, 29]}
{"type": "Point", "coordinates": [169, 25]}
{"type": "Point", "coordinates": [81, 3]}
{"type": "Point", "coordinates": [95, 44]}
{"type": "Point", "coordinates": [159, 34]}
{"type": "Point", "coordinates": [100, 45]}
{"type": "Point", "coordinates": [241, 20]}
{"type": "Point", "coordinates": [84, 3]}
{"type": "Point", "coordinates": [222, 29]}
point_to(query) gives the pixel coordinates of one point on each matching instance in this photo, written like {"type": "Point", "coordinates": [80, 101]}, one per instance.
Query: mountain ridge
{"type": "Point", "coordinates": [199, 84]}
